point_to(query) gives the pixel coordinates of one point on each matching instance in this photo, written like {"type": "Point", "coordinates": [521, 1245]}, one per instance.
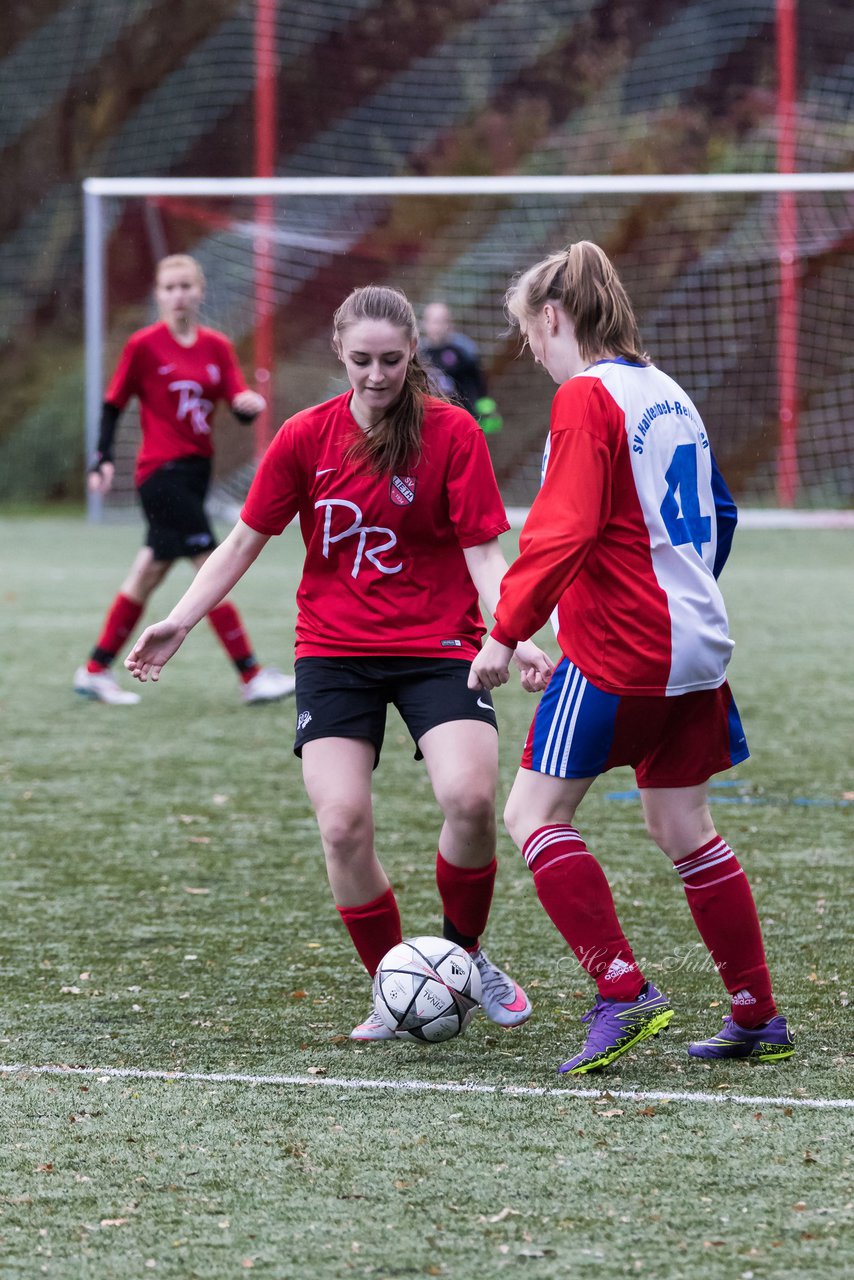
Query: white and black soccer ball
{"type": "Point", "coordinates": [427, 989]}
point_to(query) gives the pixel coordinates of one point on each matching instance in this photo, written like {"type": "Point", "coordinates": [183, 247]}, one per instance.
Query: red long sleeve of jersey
{"type": "Point", "coordinates": [622, 538]}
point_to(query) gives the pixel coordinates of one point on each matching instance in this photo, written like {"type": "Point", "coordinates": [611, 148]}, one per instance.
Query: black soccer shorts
{"type": "Point", "coordinates": [349, 697]}
{"type": "Point", "coordinates": [173, 499]}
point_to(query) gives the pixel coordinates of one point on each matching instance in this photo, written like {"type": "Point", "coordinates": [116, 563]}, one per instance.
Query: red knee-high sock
{"type": "Point", "coordinates": [573, 888]}
{"type": "Point", "coordinates": [374, 928]}
{"type": "Point", "coordinates": [122, 617]}
{"type": "Point", "coordinates": [725, 914]}
{"type": "Point", "coordinates": [466, 894]}
{"type": "Point", "coordinates": [228, 625]}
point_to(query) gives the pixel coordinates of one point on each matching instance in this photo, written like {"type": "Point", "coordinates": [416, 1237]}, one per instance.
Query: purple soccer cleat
{"type": "Point", "coordinates": [616, 1026]}
{"type": "Point", "coordinates": [770, 1043]}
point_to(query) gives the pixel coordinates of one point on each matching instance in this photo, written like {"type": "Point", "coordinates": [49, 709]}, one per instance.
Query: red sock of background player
{"type": "Point", "coordinates": [577, 897]}
{"type": "Point", "coordinates": [725, 914]}
{"type": "Point", "coordinates": [121, 618]}
{"type": "Point", "coordinates": [466, 894]}
{"type": "Point", "coordinates": [374, 928]}
{"type": "Point", "coordinates": [228, 625]}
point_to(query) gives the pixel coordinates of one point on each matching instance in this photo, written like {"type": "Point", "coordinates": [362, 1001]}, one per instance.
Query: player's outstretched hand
{"type": "Point", "coordinates": [491, 667]}
{"type": "Point", "coordinates": [536, 666]}
{"type": "Point", "coordinates": [153, 650]}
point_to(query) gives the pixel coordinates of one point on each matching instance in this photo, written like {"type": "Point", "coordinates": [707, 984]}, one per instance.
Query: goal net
{"type": "Point", "coordinates": [742, 285]}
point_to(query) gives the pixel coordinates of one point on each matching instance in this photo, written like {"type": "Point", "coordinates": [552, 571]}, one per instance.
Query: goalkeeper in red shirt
{"type": "Point", "coordinates": [178, 370]}
{"type": "Point", "coordinates": [400, 514]}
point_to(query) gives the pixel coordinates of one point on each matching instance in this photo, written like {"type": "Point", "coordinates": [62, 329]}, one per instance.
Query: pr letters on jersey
{"type": "Point", "coordinates": [192, 405]}
{"type": "Point", "coordinates": [361, 532]}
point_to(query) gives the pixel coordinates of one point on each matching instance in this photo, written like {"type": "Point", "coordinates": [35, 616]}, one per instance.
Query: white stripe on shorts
{"type": "Point", "coordinates": [559, 740]}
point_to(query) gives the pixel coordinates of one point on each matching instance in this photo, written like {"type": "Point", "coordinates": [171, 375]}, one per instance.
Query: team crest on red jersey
{"type": "Point", "coordinates": [402, 490]}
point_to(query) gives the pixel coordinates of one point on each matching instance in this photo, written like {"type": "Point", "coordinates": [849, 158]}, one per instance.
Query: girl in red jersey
{"type": "Point", "coordinates": [178, 370]}
{"type": "Point", "coordinates": [400, 515]}
{"type": "Point", "coordinates": [626, 537]}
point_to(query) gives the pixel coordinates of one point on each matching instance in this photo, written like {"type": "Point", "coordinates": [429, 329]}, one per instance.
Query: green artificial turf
{"type": "Point", "coordinates": [164, 907]}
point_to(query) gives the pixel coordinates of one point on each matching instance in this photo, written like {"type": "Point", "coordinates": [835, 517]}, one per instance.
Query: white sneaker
{"type": "Point", "coordinates": [269, 684]}
{"type": "Point", "coordinates": [373, 1028]}
{"type": "Point", "coordinates": [101, 686]}
{"type": "Point", "coordinates": [503, 1000]}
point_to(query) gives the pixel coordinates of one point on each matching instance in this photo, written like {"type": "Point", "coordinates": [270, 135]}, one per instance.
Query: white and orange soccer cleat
{"type": "Point", "coordinates": [503, 1000]}
{"type": "Point", "coordinates": [373, 1028]}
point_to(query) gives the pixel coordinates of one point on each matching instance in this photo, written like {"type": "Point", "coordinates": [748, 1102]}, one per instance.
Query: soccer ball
{"type": "Point", "coordinates": [427, 989]}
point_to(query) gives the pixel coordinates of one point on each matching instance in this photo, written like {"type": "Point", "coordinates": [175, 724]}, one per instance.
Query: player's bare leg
{"type": "Point", "coordinates": [144, 575]}
{"type": "Point", "coordinates": [337, 775]}
{"type": "Point", "coordinates": [538, 800]}
{"type": "Point", "coordinates": [462, 762]}
{"type": "Point", "coordinates": [721, 902]}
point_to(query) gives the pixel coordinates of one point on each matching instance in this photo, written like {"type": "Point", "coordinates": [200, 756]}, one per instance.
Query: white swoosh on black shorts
{"type": "Point", "coordinates": [486, 706]}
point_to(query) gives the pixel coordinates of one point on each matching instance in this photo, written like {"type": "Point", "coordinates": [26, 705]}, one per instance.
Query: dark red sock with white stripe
{"type": "Point", "coordinates": [725, 914]}
{"type": "Point", "coordinates": [122, 617]}
{"type": "Point", "coordinates": [466, 894]}
{"type": "Point", "coordinates": [228, 625]}
{"type": "Point", "coordinates": [374, 928]}
{"type": "Point", "coordinates": [573, 888]}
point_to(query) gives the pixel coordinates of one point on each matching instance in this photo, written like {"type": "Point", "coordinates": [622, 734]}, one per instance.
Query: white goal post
{"type": "Point", "coordinates": [749, 279]}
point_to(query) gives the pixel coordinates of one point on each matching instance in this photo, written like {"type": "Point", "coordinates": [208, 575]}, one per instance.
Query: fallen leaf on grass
{"type": "Point", "coordinates": [114, 1222]}
{"type": "Point", "coordinates": [189, 889]}
{"type": "Point", "coordinates": [198, 839]}
{"type": "Point", "coordinates": [810, 1158]}
{"type": "Point", "coordinates": [298, 995]}
{"type": "Point", "coordinates": [317, 1071]}
{"type": "Point", "coordinates": [647, 1111]}
{"type": "Point", "coordinates": [613, 1111]}
{"type": "Point", "coordinates": [506, 1212]}
{"type": "Point", "coordinates": [43, 1168]}
{"type": "Point", "coordinates": [70, 991]}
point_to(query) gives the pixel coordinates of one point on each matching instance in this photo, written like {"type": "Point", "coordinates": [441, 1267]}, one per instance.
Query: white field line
{"type": "Point", "coordinates": [431, 1086]}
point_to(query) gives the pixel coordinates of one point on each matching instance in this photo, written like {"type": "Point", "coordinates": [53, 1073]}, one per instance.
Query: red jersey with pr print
{"type": "Point", "coordinates": [384, 571]}
{"type": "Point", "coordinates": [177, 388]}
{"type": "Point", "coordinates": [624, 537]}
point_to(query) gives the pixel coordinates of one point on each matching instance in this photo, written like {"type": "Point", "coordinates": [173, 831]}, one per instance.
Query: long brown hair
{"type": "Point", "coordinates": [583, 280]}
{"type": "Point", "coordinates": [394, 444]}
